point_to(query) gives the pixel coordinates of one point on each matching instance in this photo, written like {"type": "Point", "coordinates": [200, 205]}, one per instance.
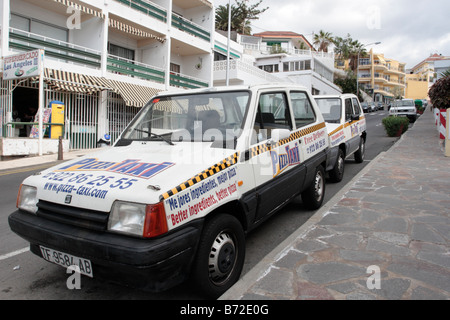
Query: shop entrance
{"type": "Point", "coordinates": [25, 107]}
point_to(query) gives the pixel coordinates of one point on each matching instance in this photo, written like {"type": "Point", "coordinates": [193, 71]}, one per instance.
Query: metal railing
{"type": "Point", "coordinates": [136, 69]}
{"type": "Point", "coordinates": [147, 7]}
{"type": "Point", "coordinates": [68, 52]}
{"type": "Point", "coordinates": [190, 27]}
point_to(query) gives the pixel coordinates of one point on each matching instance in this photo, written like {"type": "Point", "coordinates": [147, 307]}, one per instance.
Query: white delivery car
{"type": "Point", "coordinates": [404, 108]}
{"type": "Point", "coordinates": [174, 197]}
{"type": "Point", "coordinates": [346, 126]}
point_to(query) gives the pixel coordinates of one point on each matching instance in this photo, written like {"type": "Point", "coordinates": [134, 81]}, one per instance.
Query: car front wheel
{"type": "Point", "coordinates": [220, 255]}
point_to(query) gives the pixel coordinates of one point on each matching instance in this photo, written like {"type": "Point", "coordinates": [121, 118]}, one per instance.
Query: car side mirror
{"type": "Point", "coordinates": [277, 135]}
{"type": "Point", "coordinates": [354, 117]}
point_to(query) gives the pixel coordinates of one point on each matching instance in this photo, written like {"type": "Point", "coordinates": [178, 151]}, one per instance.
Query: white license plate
{"type": "Point", "coordinates": [66, 260]}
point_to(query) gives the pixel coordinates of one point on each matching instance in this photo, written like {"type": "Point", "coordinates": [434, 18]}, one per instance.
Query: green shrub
{"type": "Point", "coordinates": [395, 126]}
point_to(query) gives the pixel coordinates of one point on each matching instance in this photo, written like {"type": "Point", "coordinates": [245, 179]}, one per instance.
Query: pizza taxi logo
{"type": "Point", "coordinates": [283, 160]}
{"type": "Point", "coordinates": [130, 167]}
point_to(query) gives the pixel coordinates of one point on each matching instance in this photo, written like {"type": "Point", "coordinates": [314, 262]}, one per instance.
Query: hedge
{"type": "Point", "coordinates": [395, 126]}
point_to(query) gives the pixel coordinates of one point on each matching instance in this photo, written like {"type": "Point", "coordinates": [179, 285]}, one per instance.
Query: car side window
{"type": "Point", "coordinates": [273, 113]}
{"type": "Point", "coordinates": [348, 109]}
{"type": "Point", "coordinates": [356, 107]}
{"type": "Point", "coordinates": [302, 109]}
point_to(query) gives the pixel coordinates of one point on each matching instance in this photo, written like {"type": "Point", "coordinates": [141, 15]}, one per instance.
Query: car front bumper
{"type": "Point", "coordinates": [148, 264]}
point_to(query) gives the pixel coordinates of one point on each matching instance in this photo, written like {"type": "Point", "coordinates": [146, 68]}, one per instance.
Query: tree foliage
{"type": "Point", "coordinates": [347, 84]}
{"type": "Point", "coordinates": [349, 49]}
{"type": "Point", "coordinates": [323, 40]}
{"type": "Point", "coordinates": [241, 16]}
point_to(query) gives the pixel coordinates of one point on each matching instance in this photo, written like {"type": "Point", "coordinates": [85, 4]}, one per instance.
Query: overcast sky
{"type": "Point", "coordinates": [409, 30]}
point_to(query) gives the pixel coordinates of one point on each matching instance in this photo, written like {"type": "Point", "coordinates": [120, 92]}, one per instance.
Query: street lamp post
{"type": "Point", "coordinates": [357, 66]}
{"type": "Point", "coordinates": [228, 44]}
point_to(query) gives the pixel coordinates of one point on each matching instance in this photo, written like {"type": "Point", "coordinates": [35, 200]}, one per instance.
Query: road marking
{"type": "Point", "coordinates": [14, 253]}
{"type": "Point", "coordinates": [5, 173]}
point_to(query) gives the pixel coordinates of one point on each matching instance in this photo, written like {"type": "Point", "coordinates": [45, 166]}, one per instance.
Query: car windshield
{"type": "Point", "coordinates": [405, 103]}
{"type": "Point", "coordinates": [211, 116]}
{"type": "Point", "coordinates": [330, 108]}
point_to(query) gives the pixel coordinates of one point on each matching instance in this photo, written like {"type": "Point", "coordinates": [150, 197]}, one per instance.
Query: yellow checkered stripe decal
{"type": "Point", "coordinates": [226, 163]}
{"type": "Point", "coordinates": [337, 129]}
{"type": "Point", "coordinates": [255, 151]}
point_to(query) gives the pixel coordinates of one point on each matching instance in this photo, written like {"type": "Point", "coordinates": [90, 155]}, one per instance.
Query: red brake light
{"type": "Point", "coordinates": [155, 220]}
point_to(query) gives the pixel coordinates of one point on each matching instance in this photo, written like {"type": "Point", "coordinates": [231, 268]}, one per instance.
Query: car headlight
{"type": "Point", "coordinates": [27, 198]}
{"type": "Point", "coordinates": [138, 219]}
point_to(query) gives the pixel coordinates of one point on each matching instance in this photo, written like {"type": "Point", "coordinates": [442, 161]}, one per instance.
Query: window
{"type": "Point", "coordinates": [38, 27]}
{"type": "Point", "coordinates": [273, 113]}
{"type": "Point", "coordinates": [297, 65]}
{"type": "Point", "coordinates": [330, 108]}
{"type": "Point", "coordinates": [271, 68]}
{"type": "Point", "coordinates": [175, 68]}
{"type": "Point", "coordinates": [120, 51]}
{"type": "Point", "coordinates": [302, 108]}
{"type": "Point", "coordinates": [356, 108]}
{"type": "Point", "coordinates": [348, 109]}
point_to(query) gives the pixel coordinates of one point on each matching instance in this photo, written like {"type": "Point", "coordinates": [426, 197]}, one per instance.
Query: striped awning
{"type": "Point", "coordinates": [73, 82]}
{"type": "Point", "coordinates": [133, 30]}
{"type": "Point", "coordinates": [81, 8]}
{"type": "Point", "coordinates": [134, 95]}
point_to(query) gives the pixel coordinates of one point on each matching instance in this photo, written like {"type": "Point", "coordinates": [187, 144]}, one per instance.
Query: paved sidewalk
{"type": "Point", "coordinates": [38, 160]}
{"type": "Point", "coordinates": [394, 217]}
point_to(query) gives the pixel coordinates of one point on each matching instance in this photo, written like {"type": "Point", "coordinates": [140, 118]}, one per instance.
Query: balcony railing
{"type": "Point", "coordinates": [190, 27]}
{"type": "Point", "coordinates": [67, 52]}
{"type": "Point", "coordinates": [183, 81]}
{"type": "Point", "coordinates": [147, 7]}
{"type": "Point", "coordinates": [265, 49]}
{"type": "Point", "coordinates": [136, 69]}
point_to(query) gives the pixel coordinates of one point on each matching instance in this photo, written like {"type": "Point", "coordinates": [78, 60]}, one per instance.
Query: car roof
{"type": "Point", "coordinates": [234, 88]}
{"type": "Point", "coordinates": [340, 96]}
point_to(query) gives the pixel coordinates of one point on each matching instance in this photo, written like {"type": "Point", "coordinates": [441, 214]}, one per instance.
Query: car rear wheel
{"type": "Point", "coordinates": [337, 173]}
{"type": "Point", "coordinates": [220, 255]}
{"type": "Point", "coordinates": [313, 196]}
{"type": "Point", "coordinates": [359, 155]}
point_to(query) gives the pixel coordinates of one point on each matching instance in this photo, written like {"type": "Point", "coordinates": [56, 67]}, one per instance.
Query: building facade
{"type": "Point", "coordinates": [424, 74]}
{"type": "Point", "coordinates": [286, 57]}
{"type": "Point", "coordinates": [103, 61]}
{"type": "Point", "coordinates": [382, 78]}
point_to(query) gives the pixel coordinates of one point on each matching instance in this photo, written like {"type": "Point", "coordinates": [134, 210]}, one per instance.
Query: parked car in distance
{"type": "Point", "coordinates": [365, 107]}
{"type": "Point", "coordinates": [404, 108]}
{"type": "Point", "coordinates": [346, 125]}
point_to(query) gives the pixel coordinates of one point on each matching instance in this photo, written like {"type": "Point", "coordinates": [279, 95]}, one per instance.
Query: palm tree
{"type": "Point", "coordinates": [323, 40]}
{"type": "Point", "coordinates": [222, 18]}
{"type": "Point", "coordinates": [349, 49]}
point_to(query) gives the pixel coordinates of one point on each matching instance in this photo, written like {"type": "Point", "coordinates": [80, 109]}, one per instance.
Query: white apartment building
{"type": "Point", "coordinates": [103, 61]}
{"type": "Point", "coordinates": [284, 57]}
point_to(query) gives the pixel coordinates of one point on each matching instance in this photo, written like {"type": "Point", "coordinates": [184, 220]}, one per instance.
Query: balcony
{"type": "Point", "coordinates": [190, 27]}
{"type": "Point", "coordinates": [187, 82]}
{"type": "Point", "coordinates": [147, 7]}
{"type": "Point", "coordinates": [135, 69]}
{"type": "Point", "coordinates": [22, 41]}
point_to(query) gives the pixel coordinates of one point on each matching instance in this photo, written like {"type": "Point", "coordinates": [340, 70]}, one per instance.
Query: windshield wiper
{"type": "Point", "coordinates": [156, 135]}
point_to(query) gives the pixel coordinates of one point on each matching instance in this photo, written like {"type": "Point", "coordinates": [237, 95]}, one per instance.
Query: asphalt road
{"type": "Point", "coordinates": [25, 276]}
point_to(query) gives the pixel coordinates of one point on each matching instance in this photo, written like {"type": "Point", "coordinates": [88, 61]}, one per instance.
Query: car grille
{"type": "Point", "coordinates": [90, 219]}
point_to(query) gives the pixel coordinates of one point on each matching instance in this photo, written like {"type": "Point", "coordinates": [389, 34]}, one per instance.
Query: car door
{"type": "Point", "coordinates": [350, 127]}
{"type": "Point", "coordinates": [273, 159]}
